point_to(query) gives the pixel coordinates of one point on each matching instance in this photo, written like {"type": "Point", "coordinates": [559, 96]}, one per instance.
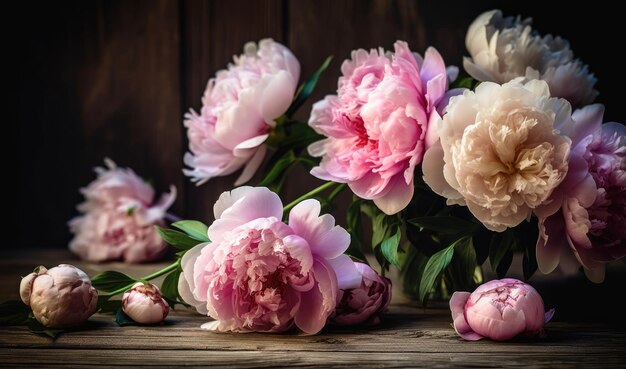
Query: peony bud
{"type": "Point", "coordinates": [143, 303]}
{"type": "Point", "coordinates": [500, 310]}
{"type": "Point", "coordinates": [364, 303]}
{"type": "Point", "coordinates": [60, 297]}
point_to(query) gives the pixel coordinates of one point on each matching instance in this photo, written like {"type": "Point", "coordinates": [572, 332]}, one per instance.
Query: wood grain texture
{"type": "Point", "coordinates": [408, 336]}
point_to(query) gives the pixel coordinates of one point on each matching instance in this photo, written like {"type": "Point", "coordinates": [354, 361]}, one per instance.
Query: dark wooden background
{"type": "Point", "coordinates": [114, 78]}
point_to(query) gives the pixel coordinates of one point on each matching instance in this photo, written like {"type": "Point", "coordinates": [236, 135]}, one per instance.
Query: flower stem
{"type": "Point", "coordinates": [308, 195]}
{"type": "Point", "coordinates": [336, 191]}
{"type": "Point", "coordinates": [149, 277]}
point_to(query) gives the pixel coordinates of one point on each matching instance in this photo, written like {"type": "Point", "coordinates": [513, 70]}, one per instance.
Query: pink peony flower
{"type": "Point", "coordinates": [588, 229]}
{"type": "Point", "coordinates": [499, 310]}
{"type": "Point", "coordinates": [59, 297]}
{"type": "Point", "coordinates": [143, 303]}
{"type": "Point", "coordinates": [118, 218]}
{"type": "Point", "coordinates": [260, 274]}
{"type": "Point", "coordinates": [238, 109]}
{"type": "Point", "coordinates": [364, 303]}
{"type": "Point", "coordinates": [379, 123]}
{"type": "Point", "coordinates": [499, 153]}
{"type": "Point", "coordinates": [505, 48]}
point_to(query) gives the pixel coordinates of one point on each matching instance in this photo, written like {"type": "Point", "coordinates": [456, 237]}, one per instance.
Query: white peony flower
{"type": "Point", "coordinates": [499, 152]}
{"type": "Point", "coordinates": [502, 49]}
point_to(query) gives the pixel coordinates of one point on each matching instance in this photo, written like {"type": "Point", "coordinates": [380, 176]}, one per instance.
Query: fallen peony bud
{"type": "Point", "coordinates": [143, 303]}
{"type": "Point", "coordinates": [59, 297]}
{"type": "Point", "coordinates": [500, 310]}
{"type": "Point", "coordinates": [366, 302]}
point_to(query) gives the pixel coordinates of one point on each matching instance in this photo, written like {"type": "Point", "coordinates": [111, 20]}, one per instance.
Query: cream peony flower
{"type": "Point", "coordinates": [502, 49]}
{"type": "Point", "coordinates": [499, 152]}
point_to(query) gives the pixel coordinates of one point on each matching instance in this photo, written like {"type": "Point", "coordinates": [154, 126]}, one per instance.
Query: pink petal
{"type": "Point", "coordinates": [348, 276]}
{"type": "Point", "coordinates": [433, 66]}
{"type": "Point", "coordinates": [550, 243]}
{"type": "Point", "coordinates": [586, 121]}
{"type": "Point", "coordinates": [399, 195]}
{"type": "Point", "coordinates": [299, 249]}
{"type": "Point", "coordinates": [457, 307]}
{"type": "Point", "coordinates": [251, 167]}
{"type": "Point", "coordinates": [548, 316]}
{"type": "Point", "coordinates": [277, 95]}
{"type": "Point", "coordinates": [326, 239]}
{"type": "Point", "coordinates": [318, 303]}
{"type": "Point", "coordinates": [186, 283]}
{"type": "Point", "coordinates": [248, 203]}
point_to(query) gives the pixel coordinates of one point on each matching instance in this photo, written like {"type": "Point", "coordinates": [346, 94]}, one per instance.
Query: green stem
{"type": "Point", "coordinates": [149, 277]}
{"type": "Point", "coordinates": [308, 195]}
{"type": "Point", "coordinates": [336, 192]}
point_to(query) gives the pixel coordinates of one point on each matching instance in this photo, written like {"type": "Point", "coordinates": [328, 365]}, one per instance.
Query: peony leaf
{"type": "Point", "coordinates": [194, 229]}
{"type": "Point", "coordinates": [436, 264]}
{"type": "Point", "coordinates": [444, 224]}
{"type": "Point", "coordinates": [169, 288]}
{"type": "Point", "coordinates": [353, 218]}
{"type": "Point", "coordinates": [38, 328]}
{"type": "Point", "coordinates": [464, 263]}
{"type": "Point", "coordinates": [111, 280]}
{"type": "Point", "coordinates": [306, 90]}
{"type": "Point", "coordinates": [389, 247]}
{"type": "Point", "coordinates": [178, 240]}
{"type": "Point", "coordinates": [14, 313]}
{"type": "Point", "coordinates": [380, 229]}
{"type": "Point", "coordinates": [122, 319]}
{"type": "Point", "coordinates": [529, 263]}
{"type": "Point", "coordinates": [501, 250]}
{"type": "Point", "coordinates": [107, 306]}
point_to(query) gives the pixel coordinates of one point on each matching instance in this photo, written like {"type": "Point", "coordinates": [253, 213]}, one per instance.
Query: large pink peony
{"type": "Point", "coordinates": [589, 228]}
{"type": "Point", "coordinates": [499, 152]}
{"type": "Point", "coordinates": [239, 107]}
{"type": "Point", "coordinates": [260, 274]}
{"type": "Point", "coordinates": [379, 123]}
{"type": "Point", "coordinates": [118, 218]}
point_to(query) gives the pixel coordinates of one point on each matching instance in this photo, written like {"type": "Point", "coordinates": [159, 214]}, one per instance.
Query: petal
{"type": "Point", "coordinates": [432, 167]}
{"type": "Point", "coordinates": [433, 66]}
{"type": "Point", "coordinates": [186, 283]}
{"type": "Point", "coordinates": [318, 303]}
{"type": "Point", "coordinates": [548, 316]}
{"type": "Point", "coordinates": [277, 96]}
{"type": "Point", "coordinates": [324, 237]}
{"type": "Point", "coordinates": [248, 203]}
{"type": "Point", "coordinates": [550, 243]}
{"type": "Point", "coordinates": [397, 198]}
{"type": "Point", "coordinates": [457, 307]}
{"type": "Point", "coordinates": [348, 276]}
{"type": "Point", "coordinates": [251, 167]}
{"type": "Point", "coordinates": [299, 249]}
{"type": "Point", "coordinates": [585, 122]}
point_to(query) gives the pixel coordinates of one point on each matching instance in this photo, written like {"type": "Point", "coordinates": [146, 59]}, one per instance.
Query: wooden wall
{"type": "Point", "coordinates": [114, 78]}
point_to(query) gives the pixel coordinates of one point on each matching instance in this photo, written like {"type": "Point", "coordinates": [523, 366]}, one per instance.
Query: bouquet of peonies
{"type": "Point", "coordinates": [449, 172]}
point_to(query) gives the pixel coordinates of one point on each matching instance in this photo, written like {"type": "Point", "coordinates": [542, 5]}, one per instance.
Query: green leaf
{"type": "Point", "coordinates": [353, 218]}
{"type": "Point", "coordinates": [529, 263]}
{"type": "Point", "coordinates": [380, 229]}
{"type": "Point", "coordinates": [109, 306]}
{"type": "Point", "coordinates": [279, 168]}
{"type": "Point", "coordinates": [501, 250]}
{"type": "Point", "coordinates": [306, 91]}
{"type": "Point", "coordinates": [444, 224]}
{"type": "Point", "coordinates": [463, 82]}
{"type": "Point", "coordinates": [178, 240]}
{"type": "Point", "coordinates": [389, 247]}
{"type": "Point", "coordinates": [38, 328]}
{"type": "Point", "coordinates": [465, 262]}
{"type": "Point", "coordinates": [111, 280]}
{"type": "Point", "coordinates": [169, 287]}
{"type": "Point", "coordinates": [194, 229]}
{"type": "Point", "coordinates": [412, 271]}
{"type": "Point", "coordinates": [435, 265]}
{"type": "Point", "coordinates": [14, 313]}
{"type": "Point", "coordinates": [122, 319]}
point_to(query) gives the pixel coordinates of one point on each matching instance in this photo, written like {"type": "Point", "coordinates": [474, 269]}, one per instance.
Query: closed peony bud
{"type": "Point", "coordinates": [366, 302]}
{"type": "Point", "coordinates": [500, 310]}
{"type": "Point", "coordinates": [144, 304]}
{"type": "Point", "coordinates": [60, 297]}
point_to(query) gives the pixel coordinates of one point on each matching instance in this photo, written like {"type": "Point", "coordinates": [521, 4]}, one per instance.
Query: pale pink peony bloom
{"type": "Point", "coordinates": [144, 304]}
{"type": "Point", "coordinates": [239, 107]}
{"type": "Point", "coordinates": [589, 228]}
{"type": "Point", "coordinates": [118, 218]}
{"type": "Point", "coordinates": [499, 152]}
{"type": "Point", "coordinates": [380, 122]}
{"type": "Point", "coordinates": [260, 274]}
{"type": "Point", "coordinates": [365, 303]}
{"type": "Point", "coordinates": [499, 310]}
{"type": "Point", "coordinates": [503, 49]}
{"type": "Point", "coordinates": [59, 297]}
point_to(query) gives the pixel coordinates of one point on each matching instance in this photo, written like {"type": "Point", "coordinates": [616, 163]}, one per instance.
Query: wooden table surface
{"type": "Point", "coordinates": [408, 336]}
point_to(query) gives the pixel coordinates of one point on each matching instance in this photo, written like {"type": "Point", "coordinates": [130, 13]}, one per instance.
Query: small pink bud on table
{"type": "Point", "coordinates": [144, 304]}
